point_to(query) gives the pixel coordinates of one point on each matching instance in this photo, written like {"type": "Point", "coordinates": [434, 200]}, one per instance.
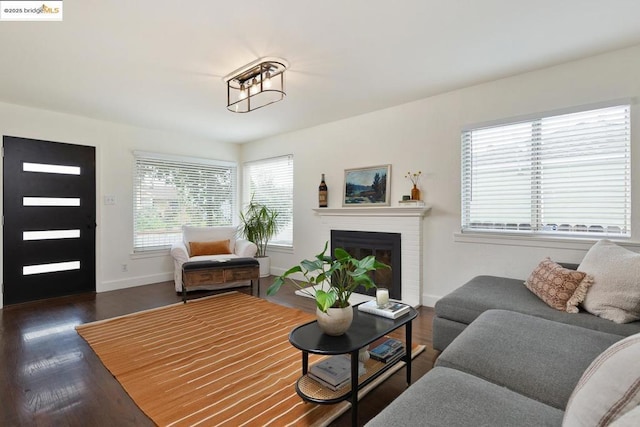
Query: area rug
{"type": "Point", "coordinates": [221, 360]}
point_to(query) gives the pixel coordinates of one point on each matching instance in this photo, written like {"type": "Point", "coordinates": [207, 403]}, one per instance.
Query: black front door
{"type": "Point", "coordinates": [49, 201]}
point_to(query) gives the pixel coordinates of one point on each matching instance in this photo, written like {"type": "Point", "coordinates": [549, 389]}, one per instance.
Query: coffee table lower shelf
{"type": "Point", "coordinates": [312, 391]}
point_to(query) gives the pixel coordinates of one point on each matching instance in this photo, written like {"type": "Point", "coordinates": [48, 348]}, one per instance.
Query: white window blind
{"type": "Point", "coordinates": [270, 182]}
{"type": "Point", "coordinates": [173, 191]}
{"type": "Point", "coordinates": [567, 173]}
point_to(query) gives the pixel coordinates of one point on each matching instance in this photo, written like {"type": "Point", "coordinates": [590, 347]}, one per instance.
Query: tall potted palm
{"type": "Point", "coordinates": [331, 281]}
{"type": "Point", "coordinates": [259, 224]}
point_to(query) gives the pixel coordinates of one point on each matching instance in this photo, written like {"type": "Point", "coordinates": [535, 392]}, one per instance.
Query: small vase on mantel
{"type": "Point", "coordinates": [415, 193]}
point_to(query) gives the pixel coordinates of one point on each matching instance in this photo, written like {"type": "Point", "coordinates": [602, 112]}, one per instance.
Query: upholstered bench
{"type": "Point", "coordinates": [225, 273]}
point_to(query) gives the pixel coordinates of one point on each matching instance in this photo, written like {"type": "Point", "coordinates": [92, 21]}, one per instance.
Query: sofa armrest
{"type": "Point", "coordinates": [569, 265]}
{"type": "Point", "coordinates": [180, 255]}
{"type": "Point", "coordinates": [179, 252]}
{"type": "Point", "coordinates": [245, 248]}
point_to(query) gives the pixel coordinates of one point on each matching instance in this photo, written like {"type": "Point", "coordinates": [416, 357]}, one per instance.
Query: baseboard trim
{"type": "Point", "coordinates": [130, 282]}
{"type": "Point", "coordinates": [429, 300]}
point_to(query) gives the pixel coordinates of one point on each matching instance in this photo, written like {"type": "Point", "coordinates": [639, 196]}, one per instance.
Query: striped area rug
{"type": "Point", "coordinates": [221, 360]}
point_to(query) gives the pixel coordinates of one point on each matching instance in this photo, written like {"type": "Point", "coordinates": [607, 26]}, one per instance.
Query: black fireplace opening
{"type": "Point", "coordinates": [384, 246]}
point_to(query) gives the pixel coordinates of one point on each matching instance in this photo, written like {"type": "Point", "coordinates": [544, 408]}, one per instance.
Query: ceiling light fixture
{"type": "Point", "coordinates": [256, 85]}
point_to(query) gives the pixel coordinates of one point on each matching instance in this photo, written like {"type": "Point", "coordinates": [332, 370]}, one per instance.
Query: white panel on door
{"type": "Point", "coordinates": [50, 234]}
{"type": "Point", "coordinates": [50, 268]}
{"type": "Point", "coordinates": [44, 168]}
{"type": "Point", "coordinates": [51, 201]}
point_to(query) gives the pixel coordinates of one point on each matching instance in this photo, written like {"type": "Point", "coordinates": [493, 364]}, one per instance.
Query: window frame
{"type": "Point", "coordinates": [247, 194]}
{"type": "Point", "coordinates": [170, 160]}
{"type": "Point", "coordinates": [506, 235]}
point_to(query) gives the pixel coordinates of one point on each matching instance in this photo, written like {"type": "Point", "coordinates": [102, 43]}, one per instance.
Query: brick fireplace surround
{"type": "Point", "coordinates": [406, 221]}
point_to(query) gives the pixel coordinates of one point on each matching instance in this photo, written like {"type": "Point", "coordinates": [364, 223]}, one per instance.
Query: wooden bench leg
{"type": "Point", "coordinates": [184, 292]}
{"type": "Point", "coordinates": [257, 282]}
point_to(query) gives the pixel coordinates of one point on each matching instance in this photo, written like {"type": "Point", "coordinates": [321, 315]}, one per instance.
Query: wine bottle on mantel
{"type": "Point", "coordinates": [322, 193]}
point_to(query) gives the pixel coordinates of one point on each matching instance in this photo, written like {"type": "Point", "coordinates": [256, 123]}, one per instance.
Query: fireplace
{"type": "Point", "coordinates": [406, 221]}
{"type": "Point", "coordinates": [386, 247]}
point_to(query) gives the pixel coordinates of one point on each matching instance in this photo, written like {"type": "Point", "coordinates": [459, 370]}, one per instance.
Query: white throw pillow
{"type": "Point", "coordinates": [630, 419]}
{"type": "Point", "coordinates": [609, 388]}
{"type": "Point", "coordinates": [615, 292]}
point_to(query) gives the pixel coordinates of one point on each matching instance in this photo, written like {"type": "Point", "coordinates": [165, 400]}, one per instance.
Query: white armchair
{"type": "Point", "coordinates": [181, 253]}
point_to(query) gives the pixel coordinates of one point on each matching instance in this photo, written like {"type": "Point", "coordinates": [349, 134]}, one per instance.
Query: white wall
{"type": "Point", "coordinates": [425, 135]}
{"type": "Point", "coordinates": [114, 175]}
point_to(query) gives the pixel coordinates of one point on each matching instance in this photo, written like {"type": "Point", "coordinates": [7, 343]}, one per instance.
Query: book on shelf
{"type": "Point", "coordinates": [393, 310]}
{"type": "Point", "coordinates": [335, 370]}
{"type": "Point", "coordinates": [328, 385]}
{"type": "Point", "coordinates": [415, 203]}
{"type": "Point", "coordinates": [394, 357]}
{"type": "Point", "coordinates": [387, 350]}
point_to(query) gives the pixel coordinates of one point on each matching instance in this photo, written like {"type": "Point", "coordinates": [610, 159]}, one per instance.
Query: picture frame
{"type": "Point", "coordinates": [368, 186]}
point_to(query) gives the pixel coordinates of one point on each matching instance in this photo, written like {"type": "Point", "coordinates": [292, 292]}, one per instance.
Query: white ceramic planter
{"type": "Point", "coordinates": [265, 265]}
{"type": "Point", "coordinates": [336, 321]}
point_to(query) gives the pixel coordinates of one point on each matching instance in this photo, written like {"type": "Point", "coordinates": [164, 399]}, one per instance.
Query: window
{"type": "Point", "coordinates": [171, 191]}
{"type": "Point", "coordinates": [270, 182]}
{"type": "Point", "coordinates": [567, 173]}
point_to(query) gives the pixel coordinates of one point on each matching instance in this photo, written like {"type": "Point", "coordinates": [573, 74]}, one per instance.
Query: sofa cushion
{"type": "Point", "coordinates": [483, 293]}
{"type": "Point", "coordinates": [609, 388]}
{"type": "Point", "coordinates": [615, 293]}
{"type": "Point", "coordinates": [223, 257]}
{"type": "Point", "coordinates": [216, 247]}
{"type": "Point", "coordinates": [204, 234]}
{"type": "Point", "coordinates": [538, 358]}
{"type": "Point", "coordinates": [445, 331]}
{"type": "Point", "coordinates": [560, 288]}
{"type": "Point", "coordinates": [446, 397]}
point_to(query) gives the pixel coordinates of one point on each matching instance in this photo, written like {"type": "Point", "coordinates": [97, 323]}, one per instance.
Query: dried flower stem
{"type": "Point", "coordinates": [414, 177]}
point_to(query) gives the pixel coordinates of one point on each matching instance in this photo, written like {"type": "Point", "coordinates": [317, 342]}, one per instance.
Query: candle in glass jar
{"type": "Point", "coordinates": [382, 296]}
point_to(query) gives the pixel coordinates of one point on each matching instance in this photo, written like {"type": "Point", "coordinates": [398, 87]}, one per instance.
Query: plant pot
{"type": "Point", "coordinates": [265, 265]}
{"type": "Point", "coordinates": [336, 321]}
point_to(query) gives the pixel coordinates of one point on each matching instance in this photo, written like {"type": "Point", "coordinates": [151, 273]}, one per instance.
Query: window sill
{"type": "Point", "coordinates": [550, 242]}
{"type": "Point", "coordinates": [150, 254]}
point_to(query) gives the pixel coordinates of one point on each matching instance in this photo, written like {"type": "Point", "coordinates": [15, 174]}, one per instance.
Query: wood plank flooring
{"type": "Point", "coordinates": [49, 376]}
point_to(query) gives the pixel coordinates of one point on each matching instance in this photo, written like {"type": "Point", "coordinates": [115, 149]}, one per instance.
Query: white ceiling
{"type": "Point", "coordinates": [160, 64]}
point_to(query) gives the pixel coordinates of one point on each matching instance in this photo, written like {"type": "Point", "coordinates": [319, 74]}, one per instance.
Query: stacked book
{"type": "Point", "coordinates": [412, 203]}
{"type": "Point", "coordinates": [387, 350]}
{"type": "Point", "coordinates": [334, 372]}
{"type": "Point", "coordinates": [392, 310]}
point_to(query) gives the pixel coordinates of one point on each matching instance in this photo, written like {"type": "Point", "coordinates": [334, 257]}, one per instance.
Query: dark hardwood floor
{"type": "Point", "coordinates": [51, 377]}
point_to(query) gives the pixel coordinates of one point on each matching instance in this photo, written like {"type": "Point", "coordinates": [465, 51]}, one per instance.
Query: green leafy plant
{"type": "Point", "coordinates": [259, 224]}
{"type": "Point", "coordinates": [342, 273]}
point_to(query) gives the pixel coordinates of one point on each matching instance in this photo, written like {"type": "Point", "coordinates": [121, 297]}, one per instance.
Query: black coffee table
{"type": "Point", "coordinates": [365, 329]}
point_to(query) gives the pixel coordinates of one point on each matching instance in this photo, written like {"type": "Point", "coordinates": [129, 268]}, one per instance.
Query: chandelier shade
{"type": "Point", "coordinates": [256, 85]}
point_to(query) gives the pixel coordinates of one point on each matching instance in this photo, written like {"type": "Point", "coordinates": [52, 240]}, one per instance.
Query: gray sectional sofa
{"type": "Point", "coordinates": [458, 309]}
{"type": "Point", "coordinates": [507, 359]}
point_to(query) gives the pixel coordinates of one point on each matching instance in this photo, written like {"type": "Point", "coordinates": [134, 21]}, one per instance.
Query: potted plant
{"type": "Point", "coordinates": [331, 281]}
{"type": "Point", "coordinates": [259, 224]}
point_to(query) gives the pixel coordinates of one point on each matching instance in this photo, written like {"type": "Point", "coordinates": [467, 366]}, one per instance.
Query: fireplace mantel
{"type": "Point", "coordinates": [389, 211]}
{"type": "Point", "coordinates": [408, 221]}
